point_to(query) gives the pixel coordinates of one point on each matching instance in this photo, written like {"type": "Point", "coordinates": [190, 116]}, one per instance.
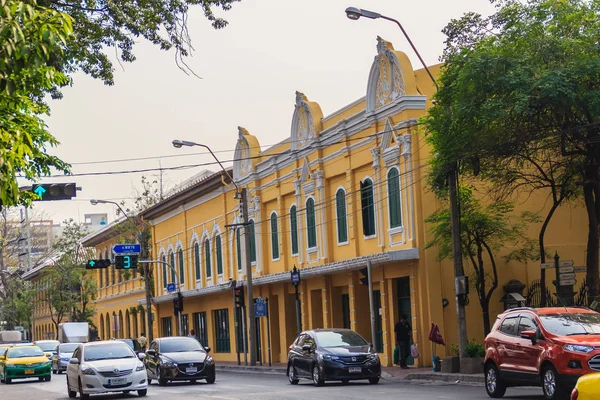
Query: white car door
{"type": "Point", "coordinates": [73, 369]}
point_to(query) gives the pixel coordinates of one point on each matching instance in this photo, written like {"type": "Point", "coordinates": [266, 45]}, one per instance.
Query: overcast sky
{"type": "Point", "coordinates": [250, 71]}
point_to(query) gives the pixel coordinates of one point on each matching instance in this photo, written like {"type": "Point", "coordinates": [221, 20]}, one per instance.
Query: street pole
{"type": "Point", "coordinates": [251, 322]}
{"type": "Point", "coordinates": [143, 239]}
{"type": "Point", "coordinates": [457, 257]}
{"type": "Point", "coordinates": [371, 304]}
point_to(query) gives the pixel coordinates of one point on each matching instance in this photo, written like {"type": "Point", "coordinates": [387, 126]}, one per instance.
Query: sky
{"type": "Point", "coordinates": [250, 72]}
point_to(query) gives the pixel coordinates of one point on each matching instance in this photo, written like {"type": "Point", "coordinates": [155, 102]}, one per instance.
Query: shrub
{"type": "Point", "coordinates": [475, 349]}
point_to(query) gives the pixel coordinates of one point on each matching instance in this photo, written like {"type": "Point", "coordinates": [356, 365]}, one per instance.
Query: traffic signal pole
{"type": "Point", "coordinates": [251, 321]}
{"type": "Point", "coordinates": [180, 296]}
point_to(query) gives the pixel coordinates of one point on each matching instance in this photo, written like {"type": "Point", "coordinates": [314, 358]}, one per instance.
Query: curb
{"type": "Point", "coordinates": [456, 378]}
{"type": "Point", "coordinates": [247, 368]}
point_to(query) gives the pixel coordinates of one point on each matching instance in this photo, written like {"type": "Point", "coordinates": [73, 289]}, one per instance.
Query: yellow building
{"type": "Point", "coordinates": [342, 190]}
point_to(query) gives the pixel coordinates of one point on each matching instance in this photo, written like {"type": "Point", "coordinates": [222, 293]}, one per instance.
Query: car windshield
{"type": "Point", "coordinates": [340, 339]}
{"type": "Point", "coordinates": [109, 351]}
{"type": "Point", "coordinates": [21, 352]}
{"type": "Point", "coordinates": [68, 347]}
{"type": "Point", "coordinates": [180, 345]}
{"type": "Point", "coordinates": [48, 346]}
{"type": "Point", "coordinates": [570, 324]}
{"type": "Point", "coordinates": [129, 342]}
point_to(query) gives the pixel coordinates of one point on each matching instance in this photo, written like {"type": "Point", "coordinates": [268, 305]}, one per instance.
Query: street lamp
{"type": "Point", "coordinates": [242, 195]}
{"type": "Point", "coordinates": [146, 269]}
{"type": "Point", "coordinates": [354, 14]}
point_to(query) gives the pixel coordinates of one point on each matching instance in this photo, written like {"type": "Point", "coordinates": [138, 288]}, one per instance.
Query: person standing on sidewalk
{"type": "Point", "coordinates": [403, 339]}
{"type": "Point", "coordinates": [143, 341]}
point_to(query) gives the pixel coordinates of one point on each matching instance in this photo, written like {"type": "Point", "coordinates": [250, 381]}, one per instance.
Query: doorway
{"type": "Point", "coordinates": [404, 304]}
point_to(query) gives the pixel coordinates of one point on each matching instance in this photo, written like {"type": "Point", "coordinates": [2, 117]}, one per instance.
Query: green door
{"type": "Point", "coordinates": [403, 293]}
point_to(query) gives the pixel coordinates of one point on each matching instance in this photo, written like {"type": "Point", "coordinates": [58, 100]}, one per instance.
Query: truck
{"type": "Point", "coordinates": [74, 332]}
{"type": "Point", "coordinates": [10, 337]}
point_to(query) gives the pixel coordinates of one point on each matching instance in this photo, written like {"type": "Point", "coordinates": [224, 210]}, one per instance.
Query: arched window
{"type": "Point", "coordinates": [368, 207]}
{"type": "Point", "coordinates": [181, 267]}
{"type": "Point", "coordinates": [311, 223]}
{"type": "Point", "coordinates": [252, 241]}
{"type": "Point", "coordinates": [173, 266]}
{"type": "Point", "coordinates": [274, 237]}
{"type": "Point", "coordinates": [294, 230]}
{"type": "Point", "coordinates": [197, 261]}
{"type": "Point", "coordinates": [164, 270]}
{"type": "Point", "coordinates": [342, 225]}
{"type": "Point", "coordinates": [207, 258]}
{"type": "Point", "coordinates": [219, 255]}
{"type": "Point", "coordinates": [395, 209]}
{"type": "Point", "coordinates": [238, 244]}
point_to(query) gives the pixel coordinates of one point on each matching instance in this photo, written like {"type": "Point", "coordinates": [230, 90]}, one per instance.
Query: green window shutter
{"type": "Point", "coordinates": [294, 229]}
{"type": "Point", "coordinates": [368, 207]}
{"type": "Point", "coordinates": [252, 241]}
{"type": "Point", "coordinates": [173, 266]}
{"type": "Point", "coordinates": [311, 223]}
{"type": "Point", "coordinates": [181, 267]}
{"type": "Point", "coordinates": [197, 261]}
{"type": "Point", "coordinates": [274, 237]}
{"type": "Point", "coordinates": [238, 244]}
{"type": "Point", "coordinates": [219, 255]}
{"type": "Point", "coordinates": [342, 226]}
{"type": "Point", "coordinates": [393, 182]}
{"type": "Point", "coordinates": [164, 271]}
{"type": "Point", "coordinates": [207, 258]}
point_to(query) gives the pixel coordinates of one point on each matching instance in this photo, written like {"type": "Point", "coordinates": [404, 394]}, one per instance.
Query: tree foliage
{"type": "Point", "coordinates": [485, 230]}
{"type": "Point", "coordinates": [524, 83]}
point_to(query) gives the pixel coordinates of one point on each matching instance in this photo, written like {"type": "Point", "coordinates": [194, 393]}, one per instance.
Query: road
{"type": "Point", "coordinates": [260, 386]}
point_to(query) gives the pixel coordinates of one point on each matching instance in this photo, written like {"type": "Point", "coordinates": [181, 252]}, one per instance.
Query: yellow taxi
{"type": "Point", "coordinates": [24, 362]}
{"type": "Point", "coordinates": [587, 388]}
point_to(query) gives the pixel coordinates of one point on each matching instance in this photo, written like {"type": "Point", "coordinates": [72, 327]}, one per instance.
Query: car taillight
{"type": "Point", "coordinates": [574, 394]}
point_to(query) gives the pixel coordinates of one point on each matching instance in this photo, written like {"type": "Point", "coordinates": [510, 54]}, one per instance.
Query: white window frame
{"type": "Point", "coordinates": [271, 237]}
{"type": "Point", "coordinates": [314, 249]}
{"type": "Point", "coordinates": [291, 238]}
{"type": "Point", "coordinates": [336, 218]}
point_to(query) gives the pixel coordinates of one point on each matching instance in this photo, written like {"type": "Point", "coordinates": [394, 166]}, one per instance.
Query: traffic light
{"type": "Point", "coordinates": [178, 303]}
{"type": "Point", "coordinates": [126, 262]}
{"type": "Point", "coordinates": [54, 191]}
{"type": "Point", "coordinates": [365, 273]}
{"type": "Point", "coordinates": [97, 264]}
{"type": "Point", "coordinates": [239, 297]}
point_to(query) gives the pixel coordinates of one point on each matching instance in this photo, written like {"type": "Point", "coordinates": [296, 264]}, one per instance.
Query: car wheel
{"type": "Point", "coordinates": [142, 392]}
{"type": "Point", "coordinates": [7, 381]}
{"type": "Point", "coordinates": [345, 381]}
{"type": "Point", "coordinates": [72, 394]}
{"type": "Point", "coordinates": [374, 381]}
{"type": "Point", "coordinates": [48, 378]}
{"type": "Point", "coordinates": [552, 391]}
{"type": "Point", "coordinates": [493, 385]}
{"type": "Point", "coordinates": [81, 394]}
{"type": "Point", "coordinates": [211, 379]}
{"type": "Point", "coordinates": [54, 371]}
{"type": "Point", "coordinates": [317, 378]}
{"type": "Point", "coordinates": [292, 376]}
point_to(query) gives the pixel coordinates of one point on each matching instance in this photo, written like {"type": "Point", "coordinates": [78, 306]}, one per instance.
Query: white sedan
{"type": "Point", "coordinates": [105, 367]}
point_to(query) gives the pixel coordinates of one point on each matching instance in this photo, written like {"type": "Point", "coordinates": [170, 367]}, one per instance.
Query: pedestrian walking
{"type": "Point", "coordinates": [403, 339]}
{"type": "Point", "coordinates": [143, 341]}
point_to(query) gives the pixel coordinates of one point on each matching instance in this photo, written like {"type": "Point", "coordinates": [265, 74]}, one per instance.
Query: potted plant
{"type": "Point", "coordinates": [473, 363]}
{"type": "Point", "coordinates": [451, 364]}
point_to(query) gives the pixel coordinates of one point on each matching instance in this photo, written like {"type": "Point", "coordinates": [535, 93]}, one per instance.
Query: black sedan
{"type": "Point", "coordinates": [179, 359]}
{"type": "Point", "coordinates": [332, 355]}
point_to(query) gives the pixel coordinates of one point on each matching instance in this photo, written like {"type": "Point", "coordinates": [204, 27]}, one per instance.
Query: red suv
{"type": "Point", "coordinates": [548, 347]}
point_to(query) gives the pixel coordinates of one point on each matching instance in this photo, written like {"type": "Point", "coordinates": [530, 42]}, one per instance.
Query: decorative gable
{"type": "Point", "coordinates": [246, 154]}
{"type": "Point", "coordinates": [306, 122]}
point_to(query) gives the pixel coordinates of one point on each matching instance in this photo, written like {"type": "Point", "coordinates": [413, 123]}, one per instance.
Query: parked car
{"type": "Point", "coordinates": [332, 355]}
{"type": "Point", "coordinates": [48, 346]}
{"type": "Point", "coordinates": [60, 360]}
{"type": "Point", "coordinates": [134, 344]}
{"type": "Point", "coordinates": [549, 347]}
{"type": "Point", "coordinates": [24, 362]}
{"type": "Point", "coordinates": [179, 359]}
{"type": "Point", "coordinates": [587, 388]}
{"type": "Point", "coordinates": [105, 367]}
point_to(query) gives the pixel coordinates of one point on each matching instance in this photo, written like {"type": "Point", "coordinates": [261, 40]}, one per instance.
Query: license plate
{"type": "Point", "coordinates": [191, 370]}
{"type": "Point", "coordinates": [355, 370]}
{"type": "Point", "coordinates": [117, 381]}
{"type": "Point", "coordinates": [29, 371]}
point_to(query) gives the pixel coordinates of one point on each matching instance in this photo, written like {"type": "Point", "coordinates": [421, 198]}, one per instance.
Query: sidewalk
{"type": "Point", "coordinates": [392, 373]}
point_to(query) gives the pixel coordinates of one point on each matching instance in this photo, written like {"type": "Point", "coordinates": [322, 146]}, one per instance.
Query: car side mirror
{"type": "Point", "coordinates": [141, 356]}
{"type": "Point", "coordinates": [74, 361]}
{"type": "Point", "coordinates": [531, 335]}
{"type": "Point", "coordinates": [306, 348]}
{"type": "Point", "coordinates": [207, 349]}
{"type": "Point", "coordinates": [152, 352]}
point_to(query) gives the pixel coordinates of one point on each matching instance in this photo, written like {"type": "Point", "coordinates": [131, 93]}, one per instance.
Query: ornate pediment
{"type": "Point", "coordinates": [306, 122]}
{"type": "Point", "coordinates": [386, 81]}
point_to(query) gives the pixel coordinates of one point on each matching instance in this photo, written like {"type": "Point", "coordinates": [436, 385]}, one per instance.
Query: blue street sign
{"type": "Point", "coordinates": [295, 277]}
{"type": "Point", "coordinates": [260, 308]}
{"type": "Point", "coordinates": [127, 248]}
{"type": "Point", "coordinates": [170, 287]}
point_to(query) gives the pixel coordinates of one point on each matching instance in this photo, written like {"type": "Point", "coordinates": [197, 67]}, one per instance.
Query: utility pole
{"type": "Point", "coordinates": [144, 236]}
{"type": "Point", "coordinates": [251, 322]}
{"type": "Point", "coordinates": [460, 281]}
{"type": "Point", "coordinates": [371, 304]}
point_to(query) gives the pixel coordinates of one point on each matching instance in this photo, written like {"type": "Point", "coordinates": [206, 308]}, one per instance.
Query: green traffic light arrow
{"type": "Point", "coordinates": [40, 191]}
{"type": "Point", "coordinates": [91, 263]}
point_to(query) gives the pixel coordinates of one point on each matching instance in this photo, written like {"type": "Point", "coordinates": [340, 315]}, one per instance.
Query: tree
{"type": "Point", "coordinates": [16, 307]}
{"type": "Point", "coordinates": [525, 82]}
{"type": "Point", "coordinates": [29, 36]}
{"type": "Point", "coordinates": [484, 232]}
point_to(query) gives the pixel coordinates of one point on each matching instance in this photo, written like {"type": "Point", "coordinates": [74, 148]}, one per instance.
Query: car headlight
{"type": "Point", "coordinates": [87, 370]}
{"type": "Point", "coordinates": [64, 359]}
{"type": "Point", "coordinates": [9, 365]}
{"type": "Point", "coordinates": [373, 357]}
{"type": "Point", "coordinates": [329, 357]}
{"type": "Point", "coordinates": [168, 364]}
{"type": "Point", "coordinates": [140, 367]}
{"type": "Point", "coordinates": [46, 363]}
{"type": "Point", "coordinates": [578, 348]}
{"type": "Point", "coordinates": [209, 361]}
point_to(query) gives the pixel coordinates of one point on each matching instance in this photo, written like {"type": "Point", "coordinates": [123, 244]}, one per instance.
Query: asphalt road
{"type": "Point", "coordinates": [255, 386]}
